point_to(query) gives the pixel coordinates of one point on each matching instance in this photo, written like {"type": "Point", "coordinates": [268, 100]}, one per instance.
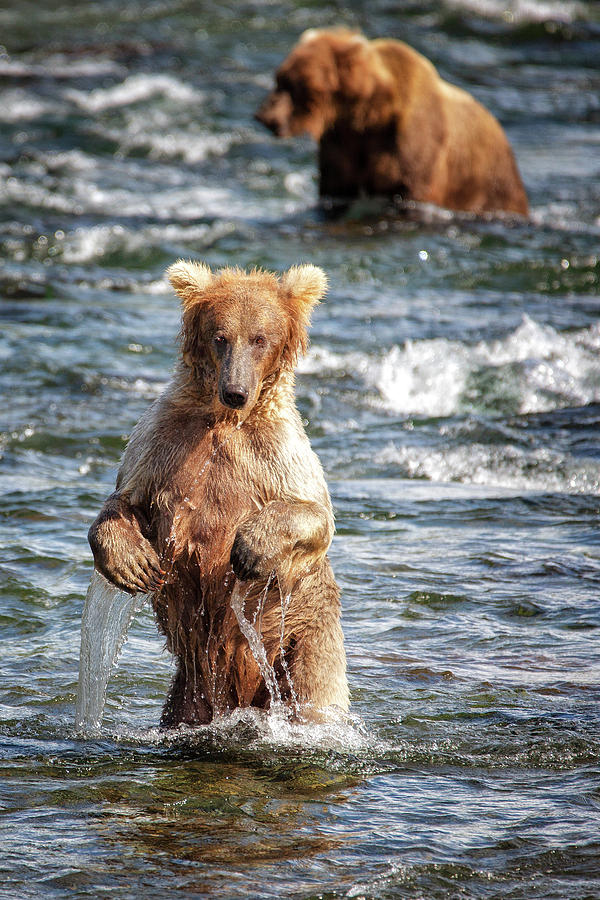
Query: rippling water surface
{"type": "Point", "coordinates": [452, 391]}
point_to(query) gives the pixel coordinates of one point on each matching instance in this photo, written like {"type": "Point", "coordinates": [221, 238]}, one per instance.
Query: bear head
{"type": "Point", "coordinates": [241, 330]}
{"type": "Point", "coordinates": [328, 76]}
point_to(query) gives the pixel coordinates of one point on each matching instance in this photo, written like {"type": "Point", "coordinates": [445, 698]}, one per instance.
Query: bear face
{"type": "Point", "coordinates": [237, 336]}
{"type": "Point", "coordinates": [328, 75]}
{"type": "Point", "coordinates": [240, 329]}
{"type": "Point", "coordinates": [302, 99]}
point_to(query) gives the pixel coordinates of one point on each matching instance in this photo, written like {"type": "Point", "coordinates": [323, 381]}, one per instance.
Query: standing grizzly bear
{"type": "Point", "coordinates": [388, 125]}
{"type": "Point", "coordinates": [221, 508]}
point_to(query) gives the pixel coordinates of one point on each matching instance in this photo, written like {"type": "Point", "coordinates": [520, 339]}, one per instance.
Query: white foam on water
{"type": "Point", "coordinates": [77, 184]}
{"type": "Point", "coordinates": [258, 729]}
{"type": "Point", "coordinates": [535, 368]}
{"type": "Point", "coordinates": [563, 215]}
{"type": "Point", "coordinates": [134, 89]}
{"type": "Point", "coordinates": [107, 615]}
{"type": "Point", "coordinates": [71, 161]}
{"type": "Point", "coordinates": [58, 66]}
{"type": "Point", "coordinates": [27, 483]}
{"type": "Point", "coordinates": [321, 360]}
{"type": "Point", "coordinates": [300, 184]}
{"type": "Point", "coordinates": [424, 377]}
{"type": "Point", "coordinates": [20, 105]}
{"type": "Point", "coordinates": [166, 131]}
{"type": "Point", "coordinates": [189, 146]}
{"type": "Point", "coordinates": [340, 731]}
{"type": "Point", "coordinates": [87, 243]}
{"type": "Point", "coordinates": [87, 195]}
{"type": "Point", "coordinates": [503, 466]}
{"type": "Point", "coordinates": [523, 11]}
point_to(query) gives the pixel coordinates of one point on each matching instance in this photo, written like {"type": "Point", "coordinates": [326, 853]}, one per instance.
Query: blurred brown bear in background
{"type": "Point", "coordinates": [388, 125]}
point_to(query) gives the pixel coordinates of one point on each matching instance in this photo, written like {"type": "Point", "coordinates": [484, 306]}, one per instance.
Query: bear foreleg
{"type": "Point", "coordinates": [318, 660]}
{"type": "Point", "coordinates": [121, 552]}
{"type": "Point", "coordinates": [289, 538]}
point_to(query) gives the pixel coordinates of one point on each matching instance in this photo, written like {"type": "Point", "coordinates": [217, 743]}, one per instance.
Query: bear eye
{"type": "Point", "coordinates": [220, 340]}
{"type": "Point", "coordinates": [260, 340]}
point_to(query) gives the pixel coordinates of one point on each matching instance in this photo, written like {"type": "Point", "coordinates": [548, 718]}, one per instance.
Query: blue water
{"type": "Point", "coordinates": [452, 392]}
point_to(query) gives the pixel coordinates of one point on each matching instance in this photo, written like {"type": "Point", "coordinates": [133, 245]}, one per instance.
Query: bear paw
{"type": "Point", "coordinates": [249, 560]}
{"type": "Point", "coordinates": [128, 561]}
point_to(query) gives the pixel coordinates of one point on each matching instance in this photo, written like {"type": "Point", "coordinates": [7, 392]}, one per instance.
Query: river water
{"type": "Point", "coordinates": [452, 391]}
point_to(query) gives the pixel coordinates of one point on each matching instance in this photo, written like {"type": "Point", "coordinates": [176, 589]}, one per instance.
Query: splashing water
{"type": "Point", "coordinates": [252, 635]}
{"type": "Point", "coordinates": [107, 614]}
{"type": "Point", "coordinates": [286, 599]}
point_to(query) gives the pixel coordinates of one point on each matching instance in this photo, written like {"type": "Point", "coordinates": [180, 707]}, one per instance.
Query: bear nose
{"type": "Point", "coordinates": [269, 121]}
{"type": "Point", "coordinates": [235, 397]}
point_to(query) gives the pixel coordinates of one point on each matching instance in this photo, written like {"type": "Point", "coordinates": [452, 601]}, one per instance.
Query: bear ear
{"type": "Point", "coordinates": [356, 67]}
{"type": "Point", "coordinates": [190, 280]}
{"type": "Point", "coordinates": [305, 286]}
{"type": "Point", "coordinates": [302, 288]}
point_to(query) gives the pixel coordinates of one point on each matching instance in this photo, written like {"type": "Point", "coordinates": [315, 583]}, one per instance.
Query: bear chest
{"type": "Point", "coordinates": [210, 492]}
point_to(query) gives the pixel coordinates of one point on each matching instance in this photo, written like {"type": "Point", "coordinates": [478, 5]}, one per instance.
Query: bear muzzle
{"type": "Point", "coordinates": [234, 396]}
{"type": "Point", "coordinates": [238, 377]}
{"type": "Point", "coordinates": [275, 113]}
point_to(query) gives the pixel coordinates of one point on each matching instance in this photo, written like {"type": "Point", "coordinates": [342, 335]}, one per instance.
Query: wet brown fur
{"type": "Point", "coordinates": [206, 493]}
{"type": "Point", "coordinates": [387, 124]}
